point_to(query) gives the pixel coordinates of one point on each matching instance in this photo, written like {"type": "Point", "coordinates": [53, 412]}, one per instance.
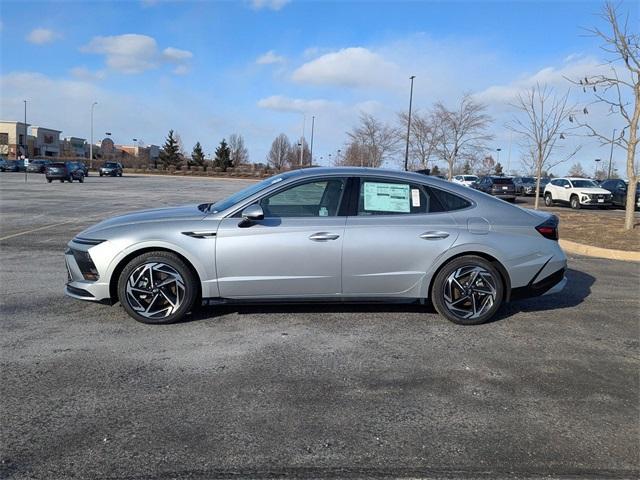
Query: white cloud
{"type": "Point", "coordinates": [176, 55]}
{"type": "Point", "coordinates": [270, 4]}
{"type": "Point", "coordinates": [133, 53]}
{"type": "Point", "coordinates": [281, 103]}
{"type": "Point", "coordinates": [270, 58]}
{"type": "Point", "coordinates": [83, 73]}
{"type": "Point", "coordinates": [41, 36]}
{"type": "Point", "coordinates": [349, 67]}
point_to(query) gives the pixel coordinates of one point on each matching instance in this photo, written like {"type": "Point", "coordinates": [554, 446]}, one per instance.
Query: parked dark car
{"type": "Point", "coordinates": [38, 166]}
{"type": "Point", "coordinates": [113, 169]}
{"type": "Point", "coordinates": [501, 187]}
{"type": "Point", "coordinates": [3, 165]}
{"type": "Point", "coordinates": [527, 185]}
{"type": "Point", "coordinates": [14, 166]}
{"type": "Point", "coordinates": [64, 171]}
{"type": "Point", "coordinates": [618, 189]}
{"type": "Point", "coordinates": [84, 167]}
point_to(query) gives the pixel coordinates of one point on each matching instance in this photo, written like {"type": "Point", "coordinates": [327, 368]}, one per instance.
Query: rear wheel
{"type": "Point", "coordinates": [469, 290]}
{"type": "Point", "coordinates": [157, 288]}
{"type": "Point", "coordinates": [548, 200]}
{"type": "Point", "coordinates": [49, 180]}
{"type": "Point", "coordinates": [575, 202]}
{"type": "Point", "coordinates": [81, 179]}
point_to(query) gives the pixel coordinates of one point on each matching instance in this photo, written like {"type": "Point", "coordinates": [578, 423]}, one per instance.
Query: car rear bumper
{"type": "Point", "coordinates": [553, 283]}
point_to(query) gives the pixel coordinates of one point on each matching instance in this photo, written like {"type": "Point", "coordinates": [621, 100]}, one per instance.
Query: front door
{"type": "Point", "coordinates": [294, 252]}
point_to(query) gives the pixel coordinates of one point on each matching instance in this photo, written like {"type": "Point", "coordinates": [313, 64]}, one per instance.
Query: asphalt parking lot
{"type": "Point", "coordinates": [550, 389]}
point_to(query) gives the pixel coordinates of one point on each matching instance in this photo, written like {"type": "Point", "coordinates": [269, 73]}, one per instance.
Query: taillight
{"type": "Point", "coordinates": [549, 228]}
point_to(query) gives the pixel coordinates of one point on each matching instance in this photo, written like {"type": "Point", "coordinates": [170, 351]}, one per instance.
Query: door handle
{"type": "Point", "coordinates": [323, 236]}
{"type": "Point", "coordinates": [434, 235]}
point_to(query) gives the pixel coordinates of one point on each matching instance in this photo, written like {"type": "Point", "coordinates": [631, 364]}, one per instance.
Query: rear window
{"type": "Point", "coordinates": [502, 181]}
{"type": "Point", "coordinates": [111, 165]}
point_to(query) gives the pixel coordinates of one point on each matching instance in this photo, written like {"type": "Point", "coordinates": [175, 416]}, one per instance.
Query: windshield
{"type": "Point", "coordinates": [584, 184]}
{"type": "Point", "coordinates": [111, 165]}
{"type": "Point", "coordinates": [231, 200]}
{"type": "Point", "coordinates": [470, 178]}
{"type": "Point", "coordinates": [502, 181]}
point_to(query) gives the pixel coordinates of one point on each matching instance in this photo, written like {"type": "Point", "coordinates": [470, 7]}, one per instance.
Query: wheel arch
{"type": "Point", "coordinates": [115, 274]}
{"type": "Point", "coordinates": [506, 279]}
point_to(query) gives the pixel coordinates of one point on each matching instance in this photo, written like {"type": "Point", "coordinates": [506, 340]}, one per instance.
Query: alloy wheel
{"type": "Point", "coordinates": [470, 291]}
{"type": "Point", "coordinates": [155, 290]}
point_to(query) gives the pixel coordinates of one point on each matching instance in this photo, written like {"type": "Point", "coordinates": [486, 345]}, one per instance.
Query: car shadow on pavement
{"type": "Point", "coordinates": [577, 290]}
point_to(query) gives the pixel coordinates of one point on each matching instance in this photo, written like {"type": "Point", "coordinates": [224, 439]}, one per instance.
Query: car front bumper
{"type": "Point", "coordinates": [79, 288]}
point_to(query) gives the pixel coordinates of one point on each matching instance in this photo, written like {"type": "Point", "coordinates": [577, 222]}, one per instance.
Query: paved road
{"type": "Point", "coordinates": [550, 389]}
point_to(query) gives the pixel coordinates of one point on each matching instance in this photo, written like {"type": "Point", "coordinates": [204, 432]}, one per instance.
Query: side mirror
{"type": "Point", "coordinates": [251, 214]}
{"type": "Point", "coordinates": [567, 186]}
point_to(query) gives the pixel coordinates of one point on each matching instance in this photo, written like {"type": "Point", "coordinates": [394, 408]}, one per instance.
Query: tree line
{"type": "Point", "coordinates": [227, 155]}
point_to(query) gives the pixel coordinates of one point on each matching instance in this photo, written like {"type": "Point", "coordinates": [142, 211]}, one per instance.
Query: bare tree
{"type": "Point", "coordinates": [424, 137]}
{"type": "Point", "coordinates": [239, 153]}
{"type": "Point", "coordinates": [543, 119]}
{"type": "Point", "coordinates": [576, 170]}
{"type": "Point", "coordinates": [378, 140]}
{"type": "Point", "coordinates": [355, 155]}
{"type": "Point", "coordinates": [616, 90]}
{"type": "Point", "coordinates": [293, 157]}
{"type": "Point", "coordinates": [280, 148]}
{"type": "Point", "coordinates": [462, 132]}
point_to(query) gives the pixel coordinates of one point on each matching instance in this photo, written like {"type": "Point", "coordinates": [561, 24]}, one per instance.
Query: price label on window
{"type": "Point", "coordinates": [386, 197]}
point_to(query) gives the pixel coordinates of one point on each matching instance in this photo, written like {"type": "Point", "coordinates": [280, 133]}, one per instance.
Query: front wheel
{"type": "Point", "coordinates": [575, 202]}
{"type": "Point", "coordinates": [81, 179]}
{"type": "Point", "coordinates": [49, 180]}
{"type": "Point", "coordinates": [157, 288]}
{"type": "Point", "coordinates": [548, 201]}
{"type": "Point", "coordinates": [469, 290]}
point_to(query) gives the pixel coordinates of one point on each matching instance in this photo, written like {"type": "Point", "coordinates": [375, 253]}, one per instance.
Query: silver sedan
{"type": "Point", "coordinates": [322, 234]}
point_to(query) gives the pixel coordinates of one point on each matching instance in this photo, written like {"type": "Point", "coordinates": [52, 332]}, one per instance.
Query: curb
{"type": "Point", "coordinates": [589, 251]}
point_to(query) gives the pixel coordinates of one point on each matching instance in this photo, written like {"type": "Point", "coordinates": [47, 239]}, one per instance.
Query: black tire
{"type": "Point", "coordinates": [49, 180]}
{"type": "Point", "coordinates": [62, 180]}
{"type": "Point", "coordinates": [81, 179]}
{"type": "Point", "coordinates": [548, 200]}
{"type": "Point", "coordinates": [574, 201]}
{"type": "Point", "coordinates": [100, 173]}
{"type": "Point", "coordinates": [190, 281]}
{"type": "Point", "coordinates": [120, 174]}
{"type": "Point", "coordinates": [438, 291]}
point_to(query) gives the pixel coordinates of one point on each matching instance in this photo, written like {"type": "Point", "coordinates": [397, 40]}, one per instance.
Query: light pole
{"type": "Point", "coordinates": [91, 144]}
{"type": "Point", "coordinates": [313, 122]}
{"type": "Point", "coordinates": [498, 155]}
{"type": "Point", "coordinates": [613, 136]}
{"type": "Point", "coordinates": [26, 141]}
{"type": "Point", "coordinates": [595, 174]}
{"type": "Point", "coordinates": [406, 151]}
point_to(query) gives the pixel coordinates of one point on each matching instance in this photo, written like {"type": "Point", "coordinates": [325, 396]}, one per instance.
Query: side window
{"type": "Point", "coordinates": [383, 197]}
{"type": "Point", "coordinates": [319, 198]}
{"type": "Point", "coordinates": [448, 201]}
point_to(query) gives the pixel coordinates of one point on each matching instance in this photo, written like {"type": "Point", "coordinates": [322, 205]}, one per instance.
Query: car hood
{"type": "Point", "coordinates": [593, 190]}
{"type": "Point", "coordinates": [185, 212]}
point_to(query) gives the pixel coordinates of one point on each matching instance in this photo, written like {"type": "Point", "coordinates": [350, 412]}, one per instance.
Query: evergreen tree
{"type": "Point", "coordinates": [498, 168]}
{"type": "Point", "coordinates": [223, 156]}
{"type": "Point", "coordinates": [197, 155]}
{"type": "Point", "coordinates": [170, 153]}
{"type": "Point", "coordinates": [435, 170]}
{"type": "Point", "coordinates": [466, 169]}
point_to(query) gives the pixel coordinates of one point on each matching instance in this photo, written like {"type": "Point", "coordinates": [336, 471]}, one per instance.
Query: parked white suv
{"type": "Point", "coordinates": [465, 180]}
{"type": "Point", "coordinates": [576, 192]}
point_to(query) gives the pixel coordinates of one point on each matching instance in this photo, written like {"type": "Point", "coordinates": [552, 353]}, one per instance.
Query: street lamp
{"type": "Point", "coordinates": [613, 136]}
{"type": "Point", "coordinates": [406, 152]}
{"type": "Point", "coordinates": [313, 121]}
{"type": "Point", "coordinates": [91, 144]}
{"type": "Point", "coordinates": [595, 174]}
{"type": "Point", "coordinates": [25, 139]}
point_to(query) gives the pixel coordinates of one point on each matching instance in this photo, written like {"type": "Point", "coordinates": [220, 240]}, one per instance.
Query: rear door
{"type": "Point", "coordinates": [399, 229]}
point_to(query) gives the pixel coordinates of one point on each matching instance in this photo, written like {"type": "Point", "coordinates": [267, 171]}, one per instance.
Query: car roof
{"type": "Point", "coordinates": [361, 171]}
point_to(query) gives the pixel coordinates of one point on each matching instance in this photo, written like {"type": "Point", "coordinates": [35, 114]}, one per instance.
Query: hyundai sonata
{"type": "Point", "coordinates": [322, 234]}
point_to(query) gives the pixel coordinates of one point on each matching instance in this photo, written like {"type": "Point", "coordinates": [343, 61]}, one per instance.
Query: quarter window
{"type": "Point", "coordinates": [320, 198]}
{"type": "Point", "coordinates": [449, 201]}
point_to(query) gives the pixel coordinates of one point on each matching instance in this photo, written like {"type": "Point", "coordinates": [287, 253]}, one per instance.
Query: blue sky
{"type": "Point", "coordinates": [208, 69]}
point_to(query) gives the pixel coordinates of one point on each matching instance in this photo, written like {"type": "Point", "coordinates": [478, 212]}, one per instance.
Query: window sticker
{"type": "Point", "coordinates": [415, 197]}
{"type": "Point", "coordinates": [386, 197]}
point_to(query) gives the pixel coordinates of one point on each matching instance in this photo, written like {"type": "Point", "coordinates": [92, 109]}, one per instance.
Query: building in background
{"type": "Point", "coordinates": [13, 139]}
{"type": "Point", "coordinates": [74, 147]}
{"type": "Point", "coordinates": [47, 142]}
